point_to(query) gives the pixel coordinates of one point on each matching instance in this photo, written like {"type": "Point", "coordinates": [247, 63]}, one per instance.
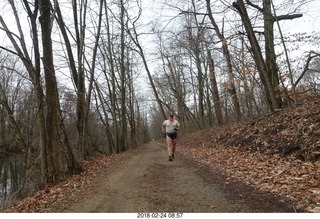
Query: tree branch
{"type": "Point", "coordinates": [9, 50]}
{"type": "Point", "coordinates": [254, 5]}
{"type": "Point", "coordinates": [287, 17]}
{"type": "Point", "coordinates": [311, 56]}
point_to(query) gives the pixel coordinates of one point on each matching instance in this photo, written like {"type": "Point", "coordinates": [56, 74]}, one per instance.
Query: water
{"type": "Point", "coordinates": [12, 178]}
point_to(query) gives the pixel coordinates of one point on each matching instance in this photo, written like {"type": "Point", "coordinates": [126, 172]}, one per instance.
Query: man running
{"type": "Point", "coordinates": [169, 129]}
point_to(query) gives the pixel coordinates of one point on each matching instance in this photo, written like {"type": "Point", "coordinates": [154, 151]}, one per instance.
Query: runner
{"type": "Point", "coordinates": [169, 129]}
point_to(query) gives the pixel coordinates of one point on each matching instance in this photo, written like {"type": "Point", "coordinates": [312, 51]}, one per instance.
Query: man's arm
{"type": "Point", "coordinates": [163, 127]}
{"type": "Point", "coordinates": [178, 125]}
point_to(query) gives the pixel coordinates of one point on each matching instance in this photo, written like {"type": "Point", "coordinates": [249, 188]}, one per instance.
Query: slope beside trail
{"type": "Point", "coordinates": [146, 181]}
{"type": "Point", "coordinates": [277, 153]}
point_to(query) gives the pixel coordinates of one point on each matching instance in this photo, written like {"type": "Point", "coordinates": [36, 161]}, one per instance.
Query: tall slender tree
{"type": "Point", "coordinates": [52, 116]}
{"type": "Point", "coordinates": [214, 90]}
{"type": "Point", "coordinates": [123, 79]}
{"type": "Point", "coordinates": [226, 53]}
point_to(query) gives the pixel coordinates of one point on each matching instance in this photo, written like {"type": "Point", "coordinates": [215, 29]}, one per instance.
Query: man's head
{"type": "Point", "coordinates": [171, 115]}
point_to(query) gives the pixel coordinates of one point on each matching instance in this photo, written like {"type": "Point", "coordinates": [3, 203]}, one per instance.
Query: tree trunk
{"type": "Point", "coordinates": [200, 78]}
{"type": "Point", "coordinates": [74, 74]}
{"type": "Point", "coordinates": [51, 93]}
{"type": "Point", "coordinates": [215, 91]}
{"type": "Point", "coordinates": [93, 66]}
{"type": "Point", "coordinates": [258, 58]}
{"type": "Point", "coordinates": [81, 89]}
{"type": "Point", "coordinates": [77, 70]}
{"type": "Point", "coordinates": [123, 97]}
{"type": "Point", "coordinates": [271, 62]}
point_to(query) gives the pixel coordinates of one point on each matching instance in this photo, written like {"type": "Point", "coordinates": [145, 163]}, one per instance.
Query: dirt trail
{"type": "Point", "coordinates": [148, 182]}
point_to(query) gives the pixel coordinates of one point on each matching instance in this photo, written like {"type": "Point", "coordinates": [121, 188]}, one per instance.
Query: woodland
{"type": "Point", "coordinates": [84, 78]}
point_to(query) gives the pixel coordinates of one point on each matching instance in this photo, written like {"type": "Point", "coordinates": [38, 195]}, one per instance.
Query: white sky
{"type": "Point", "coordinates": [310, 22]}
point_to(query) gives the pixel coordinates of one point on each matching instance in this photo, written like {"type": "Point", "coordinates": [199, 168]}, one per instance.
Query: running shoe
{"type": "Point", "coordinates": [170, 158]}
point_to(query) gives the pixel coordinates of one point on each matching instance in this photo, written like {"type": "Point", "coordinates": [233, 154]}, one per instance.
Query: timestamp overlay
{"type": "Point", "coordinates": [223, 215]}
{"type": "Point", "coordinates": [159, 215]}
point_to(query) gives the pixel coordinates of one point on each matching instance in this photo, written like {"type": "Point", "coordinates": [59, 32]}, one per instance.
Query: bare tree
{"type": "Point", "coordinates": [231, 87]}
{"type": "Point", "coordinates": [52, 96]}
{"type": "Point", "coordinates": [258, 57]}
{"type": "Point", "coordinates": [33, 69]}
{"type": "Point", "coordinates": [268, 68]}
{"type": "Point", "coordinates": [78, 58]}
{"type": "Point", "coordinates": [214, 90]}
{"type": "Point", "coordinates": [51, 127]}
{"type": "Point", "coordinates": [135, 38]}
{"type": "Point", "coordinates": [76, 64]}
{"type": "Point", "coordinates": [12, 121]}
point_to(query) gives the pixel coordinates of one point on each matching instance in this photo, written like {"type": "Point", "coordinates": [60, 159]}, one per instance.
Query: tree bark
{"type": "Point", "coordinates": [123, 97]}
{"type": "Point", "coordinates": [215, 91]}
{"type": "Point", "coordinates": [53, 142]}
{"type": "Point", "coordinates": [271, 62]}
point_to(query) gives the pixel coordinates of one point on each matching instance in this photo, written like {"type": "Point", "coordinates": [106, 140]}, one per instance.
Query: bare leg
{"type": "Point", "coordinates": [169, 145]}
{"type": "Point", "coordinates": [174, 143]}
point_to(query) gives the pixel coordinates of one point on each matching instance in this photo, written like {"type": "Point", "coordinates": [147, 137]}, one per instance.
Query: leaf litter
{"type": "Point", "coordinates": [279, 153]}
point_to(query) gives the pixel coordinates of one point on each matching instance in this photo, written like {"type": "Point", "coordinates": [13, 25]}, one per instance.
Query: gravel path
{"type": "Point", "coordinates": [148, 182]}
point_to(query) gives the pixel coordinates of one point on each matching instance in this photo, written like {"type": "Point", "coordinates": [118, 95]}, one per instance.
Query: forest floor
{"type": "Point", "coordinates": [271, 164]}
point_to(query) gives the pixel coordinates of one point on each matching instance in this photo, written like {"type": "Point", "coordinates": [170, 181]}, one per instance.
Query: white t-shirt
{"type": "Point", "coordinates": [170, 125]}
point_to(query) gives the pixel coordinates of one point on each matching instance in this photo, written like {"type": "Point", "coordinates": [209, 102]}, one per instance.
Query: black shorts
{"type": "Point", "coordinates": [172, 135]}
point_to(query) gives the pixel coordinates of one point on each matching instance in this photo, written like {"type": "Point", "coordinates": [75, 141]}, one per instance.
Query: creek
{"type": "Point", "coordinates": [12, 178]}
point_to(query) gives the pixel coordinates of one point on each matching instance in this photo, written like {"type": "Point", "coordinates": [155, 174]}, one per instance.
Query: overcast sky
{"type": "Point", "coordinates": [310, 22]}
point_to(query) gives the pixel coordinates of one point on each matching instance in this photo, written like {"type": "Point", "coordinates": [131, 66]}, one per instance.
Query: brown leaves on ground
{"type": "Point", "coordinates": [293, 131]}
{"type": "Point", "coordinates": [279, 154]}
